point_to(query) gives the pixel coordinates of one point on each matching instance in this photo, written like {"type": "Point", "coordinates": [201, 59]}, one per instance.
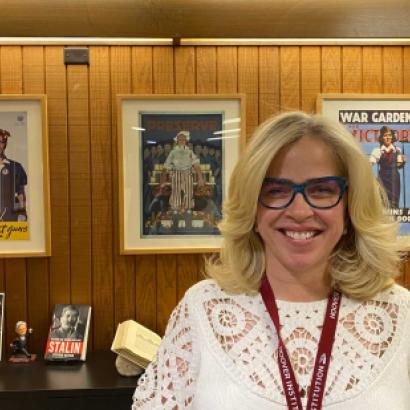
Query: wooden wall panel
{"type": "Point", "coordinates": [269, 95]}
{"type": "Point", "coordinates": [11, 82]}
{"type": "Point", "coordinates": [38, 295]}
{"type": "Point", "coordinates": [166, 289]}
{"type": "Point", "coordinates": [11, 70]}
{"type": "Point", "coordinates": [227, 70]}
{"type": "Point", "coordinates": [290, 78]}
{"type": "Point", "coordinates": [406, 70]}
{"type": "Point", "coordinates": [85, 265]}
{"type": "Point", "coordinates": [38, 287]}
{"type": "Point", "coordinates": [310, 60]}
{"type": "Point", "coordinates": [80, 183]}
{"type": "Point", "coordinates": [3, 290]}
{"type": "Point", "coordinates": [248, 84]}
{"type": "Point", "coordinates": [185, 83]}
{"type": "Point", "coordinates": [372, 70]}
{"type": "Point", "coordinates": [56, 91]}
{"type": "Point", "coordinates": [206, 70]}
{"type": "Point", "coordinates": [163, 69]}
{"type": "Point", "coordinates": [145, 266]}
{"type": "Point", "coordinates": [331, 70]}
{"type": "Point", "coordinates": [206, 82]}
{"type": "Point", "coordinates": [16, 295]}
{"type": "Point", "coordinates": [102, 214]}
{"type": "Point", "coordinates": [33, 70]}
{"type": "Point", "coordinates": [187, 273]}
{"type": "Point", "coordinates": [124, 266]}
{"type": "Point", "coordinates": [352, 69]}
{"type": "Point", "coordinates": [142, 81]}
{"type": "Point", "coordinates": [146, 291]}
{"type": "Point", "coordinates": [392, 70]}
{"type": "Point", "coordinates": [185, 70]}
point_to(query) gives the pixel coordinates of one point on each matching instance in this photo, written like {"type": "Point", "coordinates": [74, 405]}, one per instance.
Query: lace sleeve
{"type": "Point", "coordinates": [408, 361]}
{"type": "Point", "coordinates": [169, 382]}
{"type": "Point", "coordinates": [407, 332]}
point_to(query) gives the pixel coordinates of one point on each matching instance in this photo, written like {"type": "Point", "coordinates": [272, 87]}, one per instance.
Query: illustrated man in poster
{"type": "Point", "coordinates": [180, 164]}
{"type": "Point", "coordinates": [390, 159]}
{"type": "Point", "coordinates": [13, 179]}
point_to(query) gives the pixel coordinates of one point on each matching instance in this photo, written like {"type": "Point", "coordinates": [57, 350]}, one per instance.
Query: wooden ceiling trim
{"type": "Point", "coordinates": [113, 41]}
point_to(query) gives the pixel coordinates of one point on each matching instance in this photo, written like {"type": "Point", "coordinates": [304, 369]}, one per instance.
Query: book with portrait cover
{"type": "Point", "coordinates": [136, 343]}
{"type": "Point", "coordinates": [68, 334]}
{"type": "Point", "coordinates": [1, 321]}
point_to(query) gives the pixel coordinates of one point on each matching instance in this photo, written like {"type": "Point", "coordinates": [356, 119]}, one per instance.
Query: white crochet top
{"type": "Point", "coordinates": [220, 352]}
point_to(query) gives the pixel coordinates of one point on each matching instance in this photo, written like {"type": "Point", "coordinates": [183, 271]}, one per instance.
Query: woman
{"type": "Point", "coordinates": [306, 244]}
{"type": "Point", "coordinates": [390, 160]}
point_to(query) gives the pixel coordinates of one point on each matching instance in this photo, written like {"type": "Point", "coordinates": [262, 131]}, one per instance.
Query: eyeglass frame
{"type": "Point", "coordinates": [300, 188]}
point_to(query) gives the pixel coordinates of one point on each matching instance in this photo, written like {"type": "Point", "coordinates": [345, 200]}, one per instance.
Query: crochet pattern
{"type": "Point", "coordinates": [239, 334]}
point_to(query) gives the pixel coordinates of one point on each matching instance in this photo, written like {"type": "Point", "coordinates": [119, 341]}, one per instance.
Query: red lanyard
{"type": "Point", "coordinates": [317, 386]}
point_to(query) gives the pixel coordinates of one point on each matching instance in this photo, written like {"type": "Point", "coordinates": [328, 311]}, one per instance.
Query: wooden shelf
{"type": "Point", "coordinates": [94, 384]}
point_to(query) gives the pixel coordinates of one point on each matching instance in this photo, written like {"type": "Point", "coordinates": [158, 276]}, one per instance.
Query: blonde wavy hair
{"type": "Point", "coordinates": [367, 257]}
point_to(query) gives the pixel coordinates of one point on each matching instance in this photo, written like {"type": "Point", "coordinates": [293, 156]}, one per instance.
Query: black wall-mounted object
{"type": "Point", "coordinates": [76, 56]}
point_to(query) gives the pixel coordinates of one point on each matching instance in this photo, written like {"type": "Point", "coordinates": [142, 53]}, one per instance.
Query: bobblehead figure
{"type": "Point", "coordinates": [19, 344]}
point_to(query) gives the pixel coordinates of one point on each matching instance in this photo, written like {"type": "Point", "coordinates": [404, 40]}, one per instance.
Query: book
{"type": "Point", "coordinates": [1, 321]}
{"type": "Point", "coordinates": [68, 334]}
{"type": "Point", "coordinates": [136, 343]}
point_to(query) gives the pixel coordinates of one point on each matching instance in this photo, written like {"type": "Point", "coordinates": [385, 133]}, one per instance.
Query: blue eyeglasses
{"type": "Point", "coordinates": [321, 193]}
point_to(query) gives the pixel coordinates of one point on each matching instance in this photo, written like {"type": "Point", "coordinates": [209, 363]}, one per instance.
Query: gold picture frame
{"type": "Point", "coordinates": [24, 177]}
{"type": "Point", "coordinates": [153, 217]}
{"type": "Point", "coordinates": [368, 117]}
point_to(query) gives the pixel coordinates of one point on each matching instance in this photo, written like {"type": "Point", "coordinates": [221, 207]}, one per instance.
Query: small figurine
{"type": "Point", "coordinates": [19, 344]}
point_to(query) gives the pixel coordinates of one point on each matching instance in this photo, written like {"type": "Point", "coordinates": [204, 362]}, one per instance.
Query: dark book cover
{"type": "Point", "coordinates": [68, 334]}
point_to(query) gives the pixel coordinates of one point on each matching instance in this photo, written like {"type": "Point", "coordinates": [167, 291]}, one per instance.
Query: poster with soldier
{"type": "Point", "coordinates": [14, 221]}
{"type": "Point", "coordinates": [24, 176]}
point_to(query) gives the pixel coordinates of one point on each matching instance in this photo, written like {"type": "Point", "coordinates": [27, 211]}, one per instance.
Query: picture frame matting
{"type": "Point", "coordinates": [170, 198]}
{"type": "Point", "coordinates": [24, 176]}
{"type": "Point", "coordinates": [381, 124]}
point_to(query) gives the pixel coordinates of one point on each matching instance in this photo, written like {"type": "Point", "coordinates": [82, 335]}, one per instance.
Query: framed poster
{"type": "Point", "coordinates": [176, 153]}
{"type": "Point", "coordinates": [381, 124]}
{"type": "Point", "coordinates": [1, 322]}
{"type": "Point", "coordinates": [24, 177]}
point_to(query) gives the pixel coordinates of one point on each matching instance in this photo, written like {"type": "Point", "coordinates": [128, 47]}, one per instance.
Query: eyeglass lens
{"type": "Point", "coordinates": [320, 194]}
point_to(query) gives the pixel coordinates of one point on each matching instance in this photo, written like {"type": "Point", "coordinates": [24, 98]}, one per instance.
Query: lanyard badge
{"type": "Point", "coordinates": [317, 386]}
